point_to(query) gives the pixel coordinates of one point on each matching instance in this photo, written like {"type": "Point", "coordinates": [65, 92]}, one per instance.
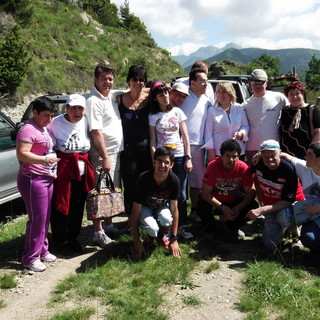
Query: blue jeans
{"type": "Point", "coordinates": [178, 169]}
{"type": "Point", "coordinates": [310, 236]}
{"type": "Point", "coordinates": [273, 231]}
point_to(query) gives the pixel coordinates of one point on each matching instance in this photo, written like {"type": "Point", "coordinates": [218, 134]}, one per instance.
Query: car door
{"type": "Point", "coordinates": [9, 165]}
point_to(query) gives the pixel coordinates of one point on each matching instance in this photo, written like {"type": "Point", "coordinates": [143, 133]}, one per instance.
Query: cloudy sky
{"type": "Point", "coordinates": [183, 26]}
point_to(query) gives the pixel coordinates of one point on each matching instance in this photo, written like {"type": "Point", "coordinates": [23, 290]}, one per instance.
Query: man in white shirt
{"type": "Point", "coordinates": [195, 108]}
{"type": "Point", "coordinates": [106, 135]}
{"type": "Point", "coordinates": [204, 66]}
{"type": "Point", "coordinates": [263, 110]}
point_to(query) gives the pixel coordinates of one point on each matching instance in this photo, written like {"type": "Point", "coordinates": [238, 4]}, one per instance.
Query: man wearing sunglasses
{"type": "Point", "coordinates": [263, 110]}
{"type": "Point", "coordinates": [155, 204]}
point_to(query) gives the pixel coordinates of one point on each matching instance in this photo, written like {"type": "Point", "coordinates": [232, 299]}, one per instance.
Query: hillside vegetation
{"type": "Point", "coordinates": [64, 44]}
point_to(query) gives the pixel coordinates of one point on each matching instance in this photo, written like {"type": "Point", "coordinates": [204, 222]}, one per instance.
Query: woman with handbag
{"type": "Point", "coordinates": [75, 173]}
{"type": "Point", "coordinates": [38, 163]}
{"type": "Point", "coordinates": [300, 122]}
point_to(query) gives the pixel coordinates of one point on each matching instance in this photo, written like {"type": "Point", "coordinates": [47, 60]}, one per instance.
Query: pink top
{"type": "Point", "coordinates": [42, 144]}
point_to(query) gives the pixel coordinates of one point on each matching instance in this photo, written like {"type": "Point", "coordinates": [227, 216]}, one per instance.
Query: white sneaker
{"type": "Point", "coordinates": [101, 239]}
{"type": "Point", "coordinates": [36, 266]}
{"type": "Point", "coordinates": [184, 233]}
{"type": "Point", "coordinates": [49, 258]}
{"type": "Point", "coordinates": [193, 216]}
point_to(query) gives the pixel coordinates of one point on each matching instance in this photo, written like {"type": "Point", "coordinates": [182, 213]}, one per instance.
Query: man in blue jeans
{"type": "Point", "coordinates": [277, 182]}
{"type": "Point", "coordinates": [155, 204]}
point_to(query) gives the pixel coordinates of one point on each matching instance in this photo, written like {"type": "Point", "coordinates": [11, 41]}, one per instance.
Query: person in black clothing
{"type": "Point", "coordinates": [155, 204]}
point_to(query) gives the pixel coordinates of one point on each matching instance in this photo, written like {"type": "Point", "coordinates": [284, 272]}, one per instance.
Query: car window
{"type": "Point", "coordinates": [6, 133]}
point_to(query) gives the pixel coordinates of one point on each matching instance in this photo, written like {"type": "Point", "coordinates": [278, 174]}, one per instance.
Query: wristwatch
{"type": "Point", "coordinates": [173, 237]}
{"type": "Point", "coordinates": [188, 156]}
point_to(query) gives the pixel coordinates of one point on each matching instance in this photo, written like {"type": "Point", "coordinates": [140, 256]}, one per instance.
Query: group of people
{"type": "Point", "coordinates": [156, 142]}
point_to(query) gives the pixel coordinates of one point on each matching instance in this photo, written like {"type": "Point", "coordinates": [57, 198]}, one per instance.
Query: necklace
{"type": "Point", "coordinates": [134, 106]}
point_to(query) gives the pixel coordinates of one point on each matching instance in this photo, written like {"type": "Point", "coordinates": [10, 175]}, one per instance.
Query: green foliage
{"type": "Point", "coordinates": [103, 11]}
{"type": "Point", "coordinates": [274, 291]}
{"type": "Point", "coordinates": [14, 61]}
{"type": "Point", "coordinates": [313, 74]}
{"type": "Point", "coordinates": [270, 65]}
{"type": "Point", "coordinates": [7, 281]}
{"type": "Point", "coordinates": [20, 9]}
{"type": "Point", "coordinates": [131, 22]}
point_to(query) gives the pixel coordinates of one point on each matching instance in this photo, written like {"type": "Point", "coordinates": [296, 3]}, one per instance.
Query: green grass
{"type": "Point", "coordinates": [273, 291]}
{"type": "Point", "coordinates": [7, 281]}
{"type": "Point", "coordinates": [191, 300]}
{"type": "Point", "coordinates": [130, 289]}
{"type": "Point", "coordinates": [2, 303]}
{"type": "Point", "coordinates": [212, 267]}
{"type": "Point", "coordinates": [76, 314]}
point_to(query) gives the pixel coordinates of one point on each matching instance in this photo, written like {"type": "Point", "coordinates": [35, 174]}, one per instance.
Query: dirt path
{"type": "Point", "coordinates": [217, 291]}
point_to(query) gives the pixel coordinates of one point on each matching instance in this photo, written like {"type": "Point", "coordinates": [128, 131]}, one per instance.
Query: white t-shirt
{"type": "Point", "coordinates": [71, 137]}
{"type": "Point", "coordinates": [168, 129]}
{"type": "Point", "coordinates": [264, 117]}
{"type": "Point", "coordinates": [220, 126]}
{"type": "Point", "coordinates": [195, 108]}
{"type": "Point", "coordinates": [309, 179]}
{"type": "Point", "coordinates": [103, 114]}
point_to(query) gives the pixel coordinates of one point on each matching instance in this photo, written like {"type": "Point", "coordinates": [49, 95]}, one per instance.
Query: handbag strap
{"type": "Point", "coordinates": [109, 182]}
{"type": "Point", "coordinates": [311, 118]}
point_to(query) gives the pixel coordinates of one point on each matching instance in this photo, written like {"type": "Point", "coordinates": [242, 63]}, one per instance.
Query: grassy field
{"type": "Point", "coordinates": [281, 286]}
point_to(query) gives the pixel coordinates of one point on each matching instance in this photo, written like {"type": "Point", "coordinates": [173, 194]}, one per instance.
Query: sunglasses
{"type": "Point", "coordinates": [259, 83]}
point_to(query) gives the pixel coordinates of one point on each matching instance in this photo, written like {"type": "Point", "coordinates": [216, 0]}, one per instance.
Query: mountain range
{"type": "Point", "coordinates": [298, 58]}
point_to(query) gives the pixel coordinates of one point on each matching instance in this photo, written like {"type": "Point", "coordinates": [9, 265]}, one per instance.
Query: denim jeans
{"type": "Point", "coordinates": [150, 219]}
{"type": "Point", "coordinates": [310, 236]}
{"type": "Point", "coordinates": [273, 231]}
{"type": "Point", "coordinates": [178, 169]}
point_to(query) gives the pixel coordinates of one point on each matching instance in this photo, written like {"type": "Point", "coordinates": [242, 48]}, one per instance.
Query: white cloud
{"type": "Point", "coordinates": [182, 26]}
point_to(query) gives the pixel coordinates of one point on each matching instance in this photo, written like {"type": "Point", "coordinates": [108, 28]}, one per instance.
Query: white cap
{"type": "Point", "coordinates": [181, 87]}
{"type": "Point", "coordinates": [76, 100]}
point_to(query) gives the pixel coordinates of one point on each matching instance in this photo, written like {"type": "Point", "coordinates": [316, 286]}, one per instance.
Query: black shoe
{"type": "Point", "coordinates": [76, 246]}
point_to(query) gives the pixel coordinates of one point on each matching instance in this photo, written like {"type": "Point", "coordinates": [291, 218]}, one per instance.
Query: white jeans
{"type": "Point", "coordinates": [150, 219]}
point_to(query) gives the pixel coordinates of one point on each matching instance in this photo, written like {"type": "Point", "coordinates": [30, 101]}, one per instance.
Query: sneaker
{"type": "Point", "coordinates": [36, 266]}
{"type": "Point", "coordinates": [164, 241]}
{"type": "Point", "coordinates": [193, 216]}
{"type": "Point", "coordinates": [101, 239]}
{"type": "Point", "coordinates": [112, 231]}
{"type": "Point", "coordinates": [49, 257]}
{"type": "Point", "coordinates": [241, 233]}
{"type": "Point", "coordinates": [184, 233]}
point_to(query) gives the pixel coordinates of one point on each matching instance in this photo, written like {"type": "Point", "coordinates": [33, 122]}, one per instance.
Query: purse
{"type": "Point", "coordinates": [104, 202]}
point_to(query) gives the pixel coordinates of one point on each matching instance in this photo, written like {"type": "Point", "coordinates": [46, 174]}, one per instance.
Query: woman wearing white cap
{"type": "Point", "coordinates": [75, 173]}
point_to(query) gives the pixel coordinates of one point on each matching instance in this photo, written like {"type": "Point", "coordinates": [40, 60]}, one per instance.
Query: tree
{"type": "Point", "coordinates": [103, 11]}
{"type": "Point", "coordinates": [14, 61]}
{"type": "Point", "coordinates": [270, 65]}
{"type": "Point", "coordinates": [131, 22]}
{"type": "Point", "coordinates": [20, 9]}
{"type": "Point", "coordinates": [313, 74]}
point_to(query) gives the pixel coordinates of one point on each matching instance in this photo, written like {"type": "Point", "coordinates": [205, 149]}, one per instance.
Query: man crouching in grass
{"type": "Point", "coordinates": [155, 204]}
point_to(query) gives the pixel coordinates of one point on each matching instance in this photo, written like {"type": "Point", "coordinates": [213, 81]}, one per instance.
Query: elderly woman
{"type": "Point", "coordinates": [134, 111]}
{"type": "Point", "coordinates": [75, 173]}
{"type": "Point", "coordinates": [225, 120]}
{"type": "Point", "coordinates": [35, 182]}
{"type": "Point", "coordinates": [300, 123]}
